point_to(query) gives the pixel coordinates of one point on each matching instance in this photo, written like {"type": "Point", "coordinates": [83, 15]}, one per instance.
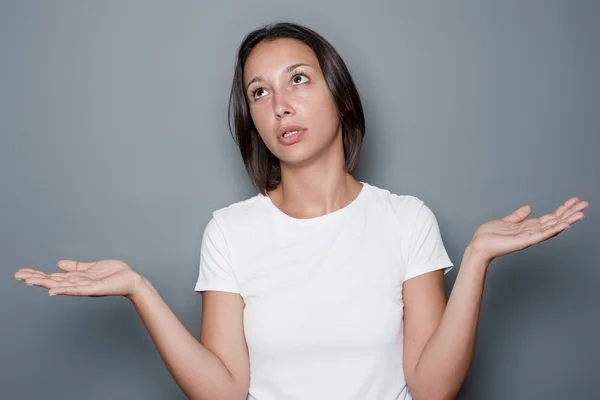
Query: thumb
{"type": "Point", "coordinates": [72, 265]}
{"type": "Point", "coordinates": [519, 214]}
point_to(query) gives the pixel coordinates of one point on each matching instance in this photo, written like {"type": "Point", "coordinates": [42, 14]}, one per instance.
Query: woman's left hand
{"type": "Point", "coordinates": [515, 232]}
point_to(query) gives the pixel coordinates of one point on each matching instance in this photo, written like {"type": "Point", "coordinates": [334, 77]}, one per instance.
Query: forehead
{"type": "Point", "coordinates": [272, 56]}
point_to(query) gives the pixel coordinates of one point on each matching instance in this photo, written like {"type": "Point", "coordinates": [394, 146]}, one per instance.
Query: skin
{"type": "Point", "coordinates": [439, 336]}
{"type": "Point", "coordinates": [313, 174]}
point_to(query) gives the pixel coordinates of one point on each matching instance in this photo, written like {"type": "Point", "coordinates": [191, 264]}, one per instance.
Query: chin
{"type": "Point", "coordinates": [306, 151]}
{"type": "Point", "coordinates": [299, 157]}
{"type": "Point", "coordinates": [295, 161]}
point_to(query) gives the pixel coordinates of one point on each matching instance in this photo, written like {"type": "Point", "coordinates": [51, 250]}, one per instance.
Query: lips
{"type": "Point", "coordinates": [289, 128]}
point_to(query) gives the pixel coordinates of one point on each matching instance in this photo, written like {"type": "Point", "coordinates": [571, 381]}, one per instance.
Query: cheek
{"type": "Point", "coordinates": [260, 118]}
{"type": "Point", "coordinates": [323, 109]}
{"type": "Point", "coordinates": [263, 122]}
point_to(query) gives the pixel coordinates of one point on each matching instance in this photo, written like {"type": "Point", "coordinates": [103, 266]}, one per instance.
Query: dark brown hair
{"type": "Point", "coordinates": [262, 166]}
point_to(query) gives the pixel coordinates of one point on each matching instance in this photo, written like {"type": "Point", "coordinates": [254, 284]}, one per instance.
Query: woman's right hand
{"type": "Point", "coordinates": [97, 278]}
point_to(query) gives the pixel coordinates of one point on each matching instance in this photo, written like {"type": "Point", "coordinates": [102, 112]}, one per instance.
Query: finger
{"type": "Point", "coordinates": [58, 276]}
{"type": "Point", "coordinates": [43, 282]}
{"type": "Point", "coordinates": [550, 233]}
{"type": "Point", "coordinates": [51, 284]}
{"type": "Point", "coordinates": [564, 207]}
{"type": "Point", "coordinates": [576, 209]}
{"type": "Point", "coordinates": [29, 270]}
{"type": "Point", "coordinates": [547, 222]}
{"type": "Point", "coordinates": [544, 219]}
{"type": "Point", "coordinates": [570, 207]}
{"type": "Point", "coordinates": [573, 202]}
{"type": "Point", "coordinates": [546, 233]}
{"type": "Point", "coordinates": [63, 277]}
{"type": "Point", "coordinates": [559, 225]}
{"type": "Point", "coordinates": [37, 274]}
{"type": "Point", "coordinates": [21, 274]}
{"type": "Point", "coordinates": [571, 219]}
{"type": "Point", "coordinates": [573, 209]}
{"type": "Point", "coordinates": [72, 265]}
{"type": "Point", "coordinates": [69, 276]}
{"type": "Point", "coordinates": [75, 290]}
{"type": "Point", "coordinates": [554, 221]}
{"type": "Point", "coordinates": [76, 279]}
{"type": "Point", "coordinates": [519, 214]}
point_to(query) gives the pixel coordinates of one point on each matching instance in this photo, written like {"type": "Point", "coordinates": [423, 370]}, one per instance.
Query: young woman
{"type": "Point", "coordinates": [320, 286]}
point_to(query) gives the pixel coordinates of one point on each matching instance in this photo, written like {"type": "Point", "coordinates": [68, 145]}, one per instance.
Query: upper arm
{"type": "Point", "coordinates": [423, 288]}
{"type": "Point", "coordinates": [222, 332]}
{"type": "Point", "coordinates": [424, 303]}
{"type": "Point", "coordinates": [222, 328]}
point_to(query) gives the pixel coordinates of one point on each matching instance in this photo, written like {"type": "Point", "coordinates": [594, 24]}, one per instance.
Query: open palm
{"type": "Point", "coordinates": [98, 278]}
{"type": "Point", "coordinates": [515, 232]}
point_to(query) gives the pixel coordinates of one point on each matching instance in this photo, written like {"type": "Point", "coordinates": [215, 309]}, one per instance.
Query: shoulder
{"type": "Point", "coordinates": [233, 217]}
{"type": "Point", "coordinates": [403, 206]}
{"type": "Point", "coordinates": [240, 209]}
{"type": "Point", "coordinates": [407, 213]}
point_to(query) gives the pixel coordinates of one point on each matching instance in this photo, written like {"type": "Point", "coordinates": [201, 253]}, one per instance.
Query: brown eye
{"type": "Point", "coordinates": [299, 79]}
{"type": "Point", "coordinates": [258, 93]}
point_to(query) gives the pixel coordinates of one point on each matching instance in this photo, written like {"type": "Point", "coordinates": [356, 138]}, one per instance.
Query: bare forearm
{"type": "Point", "coordinates": [197, 371]}
{"type": "Point", "coordinates": [446, 357]}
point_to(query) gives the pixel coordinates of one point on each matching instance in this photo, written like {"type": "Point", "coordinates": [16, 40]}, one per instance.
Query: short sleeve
{"type": "Point", "coordinates": [215, 272]}
{"type": "Point", "coordinates": [426, 250]}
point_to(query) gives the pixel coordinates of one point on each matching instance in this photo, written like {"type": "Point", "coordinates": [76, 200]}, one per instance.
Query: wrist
{"type": "Point", "coordinates": [140, 288]}
{"type": "Point", "coordinates": [476, 257]}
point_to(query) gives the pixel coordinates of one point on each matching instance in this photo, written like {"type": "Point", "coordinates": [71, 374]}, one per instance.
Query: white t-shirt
{"type": "Point", "coordinates": [323, 296]}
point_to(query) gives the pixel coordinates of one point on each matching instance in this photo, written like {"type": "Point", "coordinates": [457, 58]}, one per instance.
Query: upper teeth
{"type": "Point", "coordinates": [289, 133]}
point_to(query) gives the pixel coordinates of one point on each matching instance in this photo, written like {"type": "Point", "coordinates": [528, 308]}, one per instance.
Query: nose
{"type": "Point", "coordinates": [282, 105]}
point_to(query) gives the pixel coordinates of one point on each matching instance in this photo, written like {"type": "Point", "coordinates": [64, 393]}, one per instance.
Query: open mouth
{"type": "Point", "coordinates": [290, 133]}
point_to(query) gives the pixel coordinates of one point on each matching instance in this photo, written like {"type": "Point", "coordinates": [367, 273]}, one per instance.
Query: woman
{"type": "Point", "coordinates": [320, 286]}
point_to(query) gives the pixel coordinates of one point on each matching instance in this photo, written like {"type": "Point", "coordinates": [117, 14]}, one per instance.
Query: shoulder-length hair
{"type": "Point", "coordinates": [262, 166]}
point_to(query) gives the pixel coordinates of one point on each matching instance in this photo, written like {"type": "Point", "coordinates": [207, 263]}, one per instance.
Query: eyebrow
{"type": "Point", "coordinates": [287, 70]}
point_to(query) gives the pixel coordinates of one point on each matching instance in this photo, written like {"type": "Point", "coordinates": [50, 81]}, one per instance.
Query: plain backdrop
{"type": "Point", "coordinates": [114, 144]}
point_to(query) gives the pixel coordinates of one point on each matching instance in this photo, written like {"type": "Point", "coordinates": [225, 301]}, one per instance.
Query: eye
{"type": "Point", "coordinates": [299, 79]}
{"type": "Point", "coordinates": [258, 93]}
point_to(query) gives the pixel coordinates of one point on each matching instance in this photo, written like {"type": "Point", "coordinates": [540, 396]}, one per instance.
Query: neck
{"type": "Point", "coordinates": [318, 187]}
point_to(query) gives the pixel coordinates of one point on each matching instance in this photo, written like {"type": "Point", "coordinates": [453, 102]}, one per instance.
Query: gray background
{"type": "Point", "coordinates": [114, 144]}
